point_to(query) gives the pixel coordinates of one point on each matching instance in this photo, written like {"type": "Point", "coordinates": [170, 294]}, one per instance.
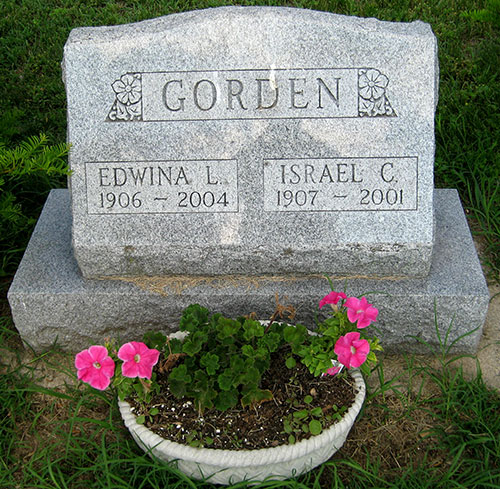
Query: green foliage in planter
{"type": "Point", "coordinates": [143, 389]}
{"type": "Point", "coordinates": [310, 419]}
{"type": "Point", "coordinates": [304, 420]}
{"type": "Point", "coordinates": [316, 351]}
{"type": "Point", "coordinates": [223, 359]}
{"type": "Point", "coordinates": [220, 361]}
{"type": "Point", "coordinates": [27, 173]}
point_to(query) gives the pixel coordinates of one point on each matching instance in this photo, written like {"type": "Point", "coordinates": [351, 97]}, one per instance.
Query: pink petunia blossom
{"type": "Point", "coordinates": [138, 359]}
{"type": "Point", "coordinates": [351, 351]}
{"type": "Point", "coordinates": [331, 298]}
{"type": "Point", "coordinates": [95, 367]}
{"type": "Point", "coordinates": [361, 311]}
{"type": "Point", "coordinates": [333, 370]}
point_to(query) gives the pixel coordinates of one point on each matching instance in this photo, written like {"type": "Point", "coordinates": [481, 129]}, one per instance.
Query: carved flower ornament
{"type": "Point", "coordinates": [372, 84]}
{"type": "Point", "coordinates": [373, 101]}
{"type": "Point", "coordinates": [128, 89]}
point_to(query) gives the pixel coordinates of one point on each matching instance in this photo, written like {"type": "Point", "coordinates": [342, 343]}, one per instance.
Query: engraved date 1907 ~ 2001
{"type": "Point", "coordinates": [340, 184]}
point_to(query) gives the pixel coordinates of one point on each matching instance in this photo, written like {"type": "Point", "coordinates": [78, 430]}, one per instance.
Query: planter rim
{"type": "Point", "coordinates": [245, 458]}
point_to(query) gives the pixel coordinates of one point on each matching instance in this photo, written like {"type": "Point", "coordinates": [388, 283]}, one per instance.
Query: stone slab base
{"type": "Point", "coordinates": [51, 301]}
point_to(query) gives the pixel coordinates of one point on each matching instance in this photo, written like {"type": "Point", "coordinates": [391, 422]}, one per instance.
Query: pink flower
{"type": "Point", "coordinates": [333, 370]}
{"type": "Point", "coordinates": [331, 298]}
{"type": "Point", "coordinates": [138, 359]}
{"type": "Point", "coordinates": [350, 350]}
{"type": "Point", "coordinates": [360, 311]}
{"type": "Point", "coordinates": [95, 367]}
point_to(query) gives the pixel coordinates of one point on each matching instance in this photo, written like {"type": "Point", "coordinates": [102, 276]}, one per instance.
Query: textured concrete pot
{"type": "Point", "coordinates": [231, 466]}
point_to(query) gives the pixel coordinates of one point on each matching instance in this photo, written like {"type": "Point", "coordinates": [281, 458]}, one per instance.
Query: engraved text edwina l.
{"type": "Point", "coordinates": [118, 176]}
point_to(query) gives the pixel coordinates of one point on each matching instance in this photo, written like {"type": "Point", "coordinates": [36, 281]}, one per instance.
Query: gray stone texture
{"type": "Point", "coordinates": [51, 301]}
{"type": "Point", "coordinates": [249, 92]}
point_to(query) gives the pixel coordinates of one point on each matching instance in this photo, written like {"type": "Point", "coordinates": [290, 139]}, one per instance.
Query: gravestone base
{"type": "Point", "coordinates": [51, 301]}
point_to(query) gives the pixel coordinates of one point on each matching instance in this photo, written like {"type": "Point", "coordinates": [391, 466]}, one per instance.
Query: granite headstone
{"type": "Point", "coordinates": [250, 141]}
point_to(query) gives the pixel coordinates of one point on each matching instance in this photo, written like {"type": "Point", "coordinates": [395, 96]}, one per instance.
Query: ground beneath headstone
{"type": "Point", "coordinates": [398, 440]}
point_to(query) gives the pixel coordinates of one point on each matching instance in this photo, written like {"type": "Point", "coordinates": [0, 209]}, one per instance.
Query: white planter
{"type": "Point", "coordinates": [231, 466]}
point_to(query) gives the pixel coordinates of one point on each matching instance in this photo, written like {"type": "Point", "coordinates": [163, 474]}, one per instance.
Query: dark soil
{"type": "Point", "coordinates": [260, 426]}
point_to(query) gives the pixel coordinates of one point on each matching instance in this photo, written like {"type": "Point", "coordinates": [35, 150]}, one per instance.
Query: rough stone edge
{"type": "Point", "coordinates": [157, 25]}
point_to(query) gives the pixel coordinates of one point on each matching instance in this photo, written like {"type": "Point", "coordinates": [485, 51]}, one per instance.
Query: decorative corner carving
{"type": "Point", "coordinates": [128, 99]}
{"type": "Point", "coordinates": [372, 99]}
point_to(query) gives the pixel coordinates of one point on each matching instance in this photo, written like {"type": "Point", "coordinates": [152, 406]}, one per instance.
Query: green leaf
{"type": "Point", "coordinates": [227, 327]}
{"type": "Point", "coordinates": [124, 385]}
{"type": "Point", "coordinates": [175, 345]}
{"type": "Point", "coordinates": [154, 339]}
{"type": "Point", "coordinates": [237, 364]}
{"type": "Point", "coordinates": [252, 329]}
{"type": "Point", "coordinates": [154, 412]}
{"type": "Point", "coordinates": [287, 426]}
{"type": "Point", "coordinates": [290, 362]}
{"type": "Point", "coordinates": [300, 414]}
{"type": "Point", "coordinates": [194, 342]}
{"type": "Point", "coordinates": [180, 373]}
{"type": "Point", "coordinates": [291, 439]}
{"type": "Point", "coordinates": [375, 345]}
{"type": "Point", "coordinates": [295, 335]}
{"type": "Point", "coordinates": [365, 369]}
{"type": "Point", "coordinates": [226, 379]}
{"type": "Point", "coordinates": [256, 396]}
{"type": "Point", "coordinates": [251, 376]}
{"type": "Point", "coordinates": [178, 380]}
{"type": "Point", "coordinates": [308, 399]}
{"type": "Point", "coordinates": [203, 390]}
{"type": "Point", "coordinates": [248, 351]}
{"type": "Point", "coordinates": [262, 362]}
{"type": "Point", "coordinates": [271, 341]}
{"type": "Point", "coordinates": [211, 362]}
{"type": "Point", "coordinates": [332, 321]}
{"type": "Point", "coordinates": [317, 411]}
{"type": "Point", "coordinates": [141, 419]}
{"type": "Point", "coordinates": [319, 370]}
{"type": "Point", "coordinates": [371, 358]}
{"type": "Point", "coordinates": [177, 388]}
{"type": "Point", "coordinates": [315, 427]}
{"type": "Point", "coordinates": [226, 400]}
{"type": "Point", "coordinates": [193, 317]}
{"type": "Point", "coordinates": [332, 332]}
